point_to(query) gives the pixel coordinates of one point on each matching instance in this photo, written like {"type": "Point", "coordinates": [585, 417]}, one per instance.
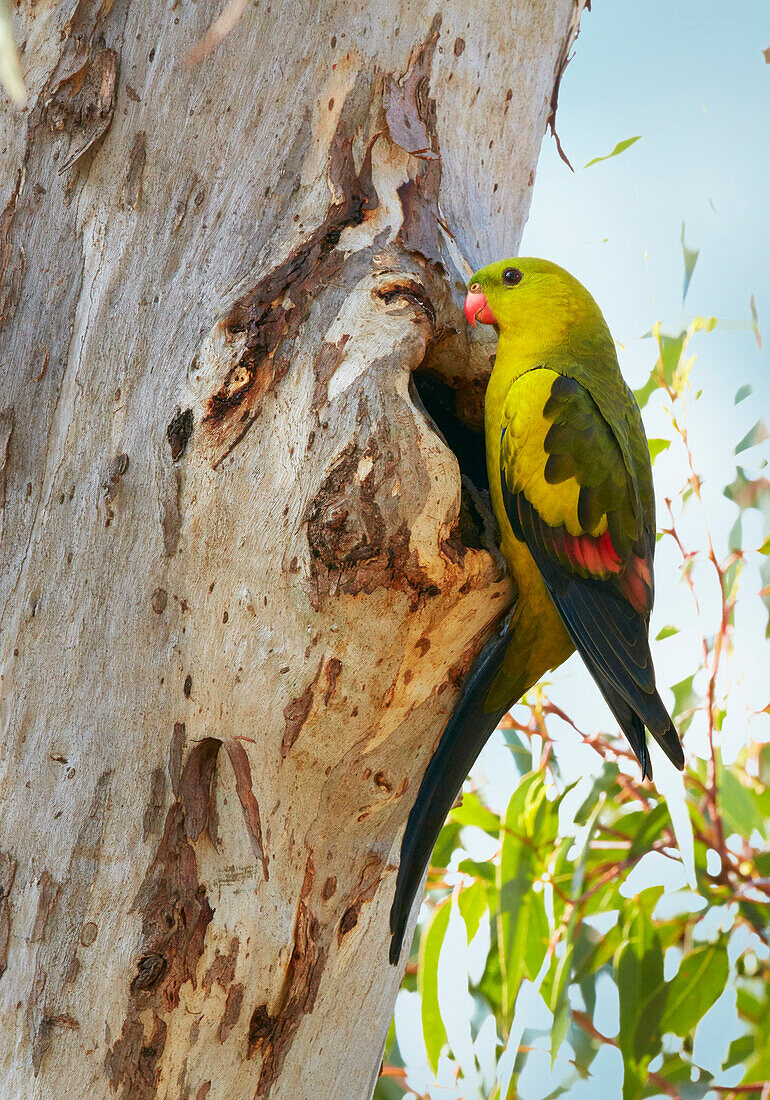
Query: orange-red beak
{"type": "Point", "coordinates": [477, 307]}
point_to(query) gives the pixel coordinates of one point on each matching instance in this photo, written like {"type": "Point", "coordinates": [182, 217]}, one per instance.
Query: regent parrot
{"type": "Point", "coordinates": [571, 486]}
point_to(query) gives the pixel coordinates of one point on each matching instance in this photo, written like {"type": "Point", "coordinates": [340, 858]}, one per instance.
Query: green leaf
{"type": "Point", "coordinates": [657, 446]}
{"type": "Point", "coordinates": [742, 393]}
{"type": "Point", "coordinates": [472, 904]}
{"type": "Point", "coordinates": [667, 631]}
{"type": "Point", "coordinates": [433, 1030]}
{"type": "Point", "coordinates": [755, 435]}
{"type": "Point", "coordinates": [690, 256]}
{"type": "Point", "coordinates": [448, 841]}
{"type": "Point", "coordinates": [638, 975]}
{"type": "Point", "coordinates": [765, 547]}
{"type": "Point", "coordinates": [698, 983]}
{"type": "Point", "coordinates": [523, 924]}
{"type": "Point", "coordinates": [737, 805]}
{"type": "Point", "coordinates": [653, 825]}
{"type": "Point", "coordinates": [684, 699]}
{"type": "Point", "coordinates": [740, 1049]}
{"type": "Point", "coordinates": [619, 148]}
{"type": "Point", "coordinates": [472, 811]}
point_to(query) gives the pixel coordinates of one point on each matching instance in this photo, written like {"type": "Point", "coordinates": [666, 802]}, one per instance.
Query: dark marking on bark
{"type": "Point", "coordinates": [172, 515]}
{"type": "Point", "coordinates": [175, 914]}
{"type": "Point", "coordinates": [368, 882]}
{"type": "Point", "coordinates": [47, 898]}
{"type": "Point", "coordinates": [132, 187]}
{"type": "Point", "coordinates": [11, 259]}
{"type": "Point", "coordinates": [58, 924]}
{"type": "Point", "coordinates": [149, 970]}
{"type": "Point", "coordinates": [7, 875]}
{"type": "Point", "coordinates": [232, 1012]}
{"type": "Point", "coordinates": [244, 789]}
{"type": "Point", "coordinates": [178, 433]}
{"type": "Point", "coordinates": [203, 1091]}
{"type": "Point", "coordinates": [183, 200]}
{"type": "Point", "coordinates": [409, 111]}
{"type": "Point", "coordinates": [350, 548]}
{"type": "Point", "coordinates": [6, 428]}
{"type": "Point", "coordinates": [158, 600]}
{"type": "Point", "coordinates": [222, 967]}
{"type": "Point", "coordinates": [329, 888]}
{"type": "Point", "coordinates": [133, 1064]}
{"type": "Point", "coordinates": [332, 670]}
{"type": "Point", "coordinates": [348, 921]}
{"type": "Point", "coordinates": [195, 786]}
{"type": "Point", "coordinates": [403, 288]}
{"type": "Point", "coordinates": [295, 714]}
{"type": "Point", "coordinates": [325, 364]}
{"type": "Point", "coordinates": [275, 308]}
{"type": "Point", "coordinates": [562, 62]}
{"type": "Point", "coordinates": [272, 1033]}
{"type": "Point", "coordinates": [459, 47]}
{"type": "Point", "coordinates": [175, 756]}
{"type": "Point", "coordinates": [154, 808]}
{"type": "Point", "coordinates": [111, 484]}
{"type": "Point", "coordinates": [82, 102]}
{"type": "Point", "coordinates": [187, 686]}
{"type": "Point", "coordinates": [382, 781]}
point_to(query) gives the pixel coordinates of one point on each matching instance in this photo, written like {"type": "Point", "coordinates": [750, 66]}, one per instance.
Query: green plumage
{"type": "Point", "coordinates": [571, 486]}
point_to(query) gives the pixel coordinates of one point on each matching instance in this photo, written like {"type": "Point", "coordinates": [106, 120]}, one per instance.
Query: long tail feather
{"type": "Point", "coordinates": [465, 735]}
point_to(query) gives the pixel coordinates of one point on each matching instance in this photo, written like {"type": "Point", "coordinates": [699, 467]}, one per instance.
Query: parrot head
{"type": "Point", "coordinates": [527, 298]}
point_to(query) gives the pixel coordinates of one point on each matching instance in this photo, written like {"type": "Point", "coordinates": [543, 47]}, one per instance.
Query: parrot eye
{"type": "Point", "coordinates": [512, 276]}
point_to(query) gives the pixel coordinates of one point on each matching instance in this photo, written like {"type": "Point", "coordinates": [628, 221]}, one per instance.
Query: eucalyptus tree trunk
{"type": "Point", "coordinates": [242, 577]}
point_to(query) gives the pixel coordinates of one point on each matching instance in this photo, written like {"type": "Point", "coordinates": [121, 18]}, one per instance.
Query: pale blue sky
{"type": "Point", "coordinates": [691, 79]}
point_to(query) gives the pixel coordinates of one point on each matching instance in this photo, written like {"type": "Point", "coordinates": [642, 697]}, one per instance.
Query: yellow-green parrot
{"type": "Point", "coordinates": [571, 486]}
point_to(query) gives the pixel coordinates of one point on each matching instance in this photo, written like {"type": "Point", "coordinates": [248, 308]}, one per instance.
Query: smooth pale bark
{"type": "Point", "coordinates": [235, 600]}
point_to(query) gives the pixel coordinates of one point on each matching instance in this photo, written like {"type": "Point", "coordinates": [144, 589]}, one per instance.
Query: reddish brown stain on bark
{"type": "Point", "coordinates": [329, 888]}
{"type": "Point", "coordinates": [134, 1061]}
{"type": "Point", "coordinates": [277, 306]}
{"type": "Point", "coordinates": [351, 547]}
{"type": "Point", "coordinates": [49, 893]}
{"type": "Point", "coordinates": [332, 670]}
{"type": "Point", "coordinates": [326, 362]}
{"type": "Point", "coordinates": [222, 968]}
{"type": "Point", "coordinates": [272, 1033]}
{"type": "Point", "coordinates": [232, 1011]}
{"type": "Point", "coordinates": [175, 915]}
{"type": "Point", "coordinates": [243, 787]}
{"type": "Point", "coordinates": [295, 714]}
{"type": "Point", "coordinates": [364, 892]}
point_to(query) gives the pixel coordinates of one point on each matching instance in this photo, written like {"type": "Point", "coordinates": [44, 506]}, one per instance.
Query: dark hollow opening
{"type": "Point", "coordinates": [438, 400]}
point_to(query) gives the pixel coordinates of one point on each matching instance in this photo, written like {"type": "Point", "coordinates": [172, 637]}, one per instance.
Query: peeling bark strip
{"type": "Point", "coordinates": [7, 875]}
{"type": "Point", "coordinates": [243, 787]}
{"type": "Point", "coordinates": [83, 96]}
{"type": "Point", "coordinates": [274, 310]}
{"type": "Point", "coordinates": [272, 1033]}
{"type": "Point", "coordinates": [410, 113]}
{"type": "Point", "coordinates": [47, 898]}
{"type": "Point", "coordinates": [295, 715]}
{"type": "Point", "coordinates": [371, 876]}
{"type": "Point", "coordinates": [175, 915]}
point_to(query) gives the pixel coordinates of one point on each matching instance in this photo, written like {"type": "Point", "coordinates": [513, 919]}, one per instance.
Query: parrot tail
{"type": "Point", "coordinates": [466, 733]}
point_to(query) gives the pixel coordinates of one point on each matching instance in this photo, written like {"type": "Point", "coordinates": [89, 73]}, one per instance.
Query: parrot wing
{"type": "Point", "coordinates": [571, 495]}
